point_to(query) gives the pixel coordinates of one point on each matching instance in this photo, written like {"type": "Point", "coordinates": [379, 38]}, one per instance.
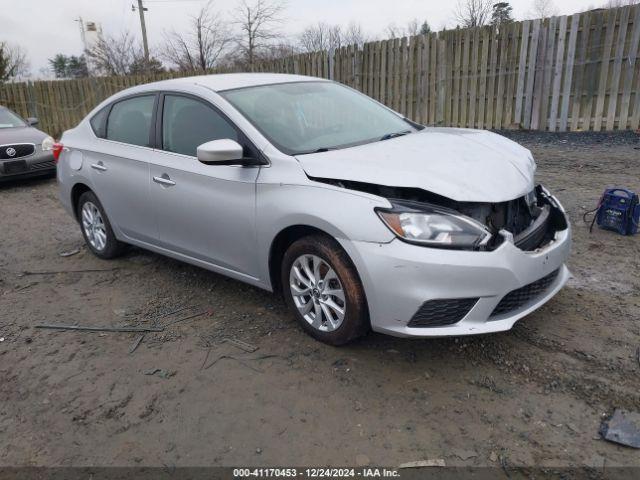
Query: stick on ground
{"type": "Point", "coordinates": [101, 329]}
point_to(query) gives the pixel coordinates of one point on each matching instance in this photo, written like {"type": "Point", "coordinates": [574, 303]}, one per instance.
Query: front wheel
{"type": "Point", "coordinates": [323, 289]}
{"type": "Point", "coordinates": [96, 228]}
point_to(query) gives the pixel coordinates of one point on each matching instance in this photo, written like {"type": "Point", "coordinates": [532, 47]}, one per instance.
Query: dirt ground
{"type": "Point", "coordinates": [533, 396]}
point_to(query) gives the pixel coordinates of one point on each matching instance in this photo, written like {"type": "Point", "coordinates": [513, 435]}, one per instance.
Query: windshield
{"type": "Point", "coordinates": [307, 117]}
{"type": "Point", "coordinates": [8, 119]}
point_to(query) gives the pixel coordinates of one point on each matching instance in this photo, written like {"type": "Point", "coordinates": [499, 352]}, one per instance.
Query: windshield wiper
{"type": "Point", "coordinates": [317, 150]}
{"type": "Point", "coordinates": [394, 135]}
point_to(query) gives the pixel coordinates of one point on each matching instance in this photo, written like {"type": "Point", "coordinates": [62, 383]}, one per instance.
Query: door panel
{"type": "Point", "coordinates": [121, 182]}
{"type": "Point", "coordinates": [205, 211]}
{"type": "Point", "coordinates": [119, 168]}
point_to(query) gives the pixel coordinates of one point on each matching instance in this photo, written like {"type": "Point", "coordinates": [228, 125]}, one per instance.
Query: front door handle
{"type": "Point", "coordinates": [164, 180]}
{"type": "Point", "coordinates": [99, 166]}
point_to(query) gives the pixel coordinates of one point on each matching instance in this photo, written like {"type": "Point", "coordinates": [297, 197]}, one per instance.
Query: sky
{"type": "Point", "coordinates": [52, 27]}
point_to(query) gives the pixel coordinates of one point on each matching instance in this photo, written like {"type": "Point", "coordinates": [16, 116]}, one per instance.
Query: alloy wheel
{"type": "Point", "coordinates": [317, 293]}
{"type": "Point", "coordinates": [93, 226]}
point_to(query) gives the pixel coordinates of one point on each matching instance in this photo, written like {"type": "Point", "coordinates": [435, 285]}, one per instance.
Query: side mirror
{"type": "Point", "coordinates": [32, 121]}
{"type": "Point", "coordinates": [224, 151]}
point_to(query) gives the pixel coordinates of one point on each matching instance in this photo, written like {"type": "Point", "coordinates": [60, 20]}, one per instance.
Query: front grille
{"type": "Point", "coordinates": [523, 295]}
{"type": "Point", "coordinates": [43, 165]}
{"type": "Point", "coordinates": [441, 312]}
{"type": "Point", "coordinates": [17, 150]}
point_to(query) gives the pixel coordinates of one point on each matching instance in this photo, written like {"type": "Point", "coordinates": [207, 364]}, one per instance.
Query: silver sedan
{"type": "Point", "coordinates": [360, 217]}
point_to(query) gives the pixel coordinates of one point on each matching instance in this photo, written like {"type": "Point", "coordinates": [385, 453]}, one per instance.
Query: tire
{"type": "Point", "coordinates": [325, 293]}
{"type": "Point", "coordinates": [97, 232]}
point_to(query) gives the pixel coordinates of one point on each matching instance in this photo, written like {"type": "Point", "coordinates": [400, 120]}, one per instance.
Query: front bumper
{"type": "Point", "coordinates": [38, 164]}
{"type": "Point", "coordinates": [399, 278]}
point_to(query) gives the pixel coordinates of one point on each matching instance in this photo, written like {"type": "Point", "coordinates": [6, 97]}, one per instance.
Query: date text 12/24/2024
{"type": "Point", "coordinates": [367, 472]}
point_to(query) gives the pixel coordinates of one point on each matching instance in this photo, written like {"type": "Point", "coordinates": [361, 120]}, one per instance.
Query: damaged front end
{"type": "Point", "coordinates": [420, 217]}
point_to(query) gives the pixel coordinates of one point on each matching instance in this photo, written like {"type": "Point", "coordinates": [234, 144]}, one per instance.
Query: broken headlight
{"type": "Point", "coordinates": [434, 226]}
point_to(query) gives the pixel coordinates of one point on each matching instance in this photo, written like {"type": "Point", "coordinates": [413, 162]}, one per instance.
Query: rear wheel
{"type": "Point", "coordinates": [323, 289]}
{"type": "Point", "coordinates": [96, 228]}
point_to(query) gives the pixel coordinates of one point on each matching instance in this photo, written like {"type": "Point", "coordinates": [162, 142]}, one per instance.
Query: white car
{"type": "Point", "coordinates": [360, 217]}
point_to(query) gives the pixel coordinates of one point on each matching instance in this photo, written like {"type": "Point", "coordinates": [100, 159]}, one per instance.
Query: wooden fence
{"type": "Point", "coordinates": [578, 72]}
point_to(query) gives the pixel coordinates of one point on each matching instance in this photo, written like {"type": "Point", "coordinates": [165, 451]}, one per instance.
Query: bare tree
{"type": "Point", "coordinates": [323, 36]}
{"type": "Point", "coordinates": [353, 34]}
{"type": "Point", "coordinates": [411, 29]}
{"type": "Point", "coordinates": [618, 3]}
{"type": "Point", "coordinates": [13, 62]}
{"type": "Point", "coordinates": [202, 47]}
{"type": "Point", "coordinates": [258, 21]}
{"type": "Point", "coordinates": [542, 9]}
{"type": "Point", "coordinates": [114, 55]}
{"type": "Point", "coordinates": [473, 13]}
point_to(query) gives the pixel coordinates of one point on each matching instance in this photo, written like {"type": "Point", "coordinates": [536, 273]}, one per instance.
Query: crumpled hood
{"type": "Point", "coordinates": [460, 164]}
{"type": "Point", "coordinates": [21, 135]}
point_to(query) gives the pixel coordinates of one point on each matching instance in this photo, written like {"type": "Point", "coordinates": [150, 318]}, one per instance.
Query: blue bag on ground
{"type": "Point", "coordinates": [619, 210]}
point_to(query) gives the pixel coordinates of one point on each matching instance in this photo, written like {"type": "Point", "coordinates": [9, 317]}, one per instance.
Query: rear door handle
{"type": "Point", "coordinates": [164, 180]}
{"type": "Point", "coordinates": [99, 166]}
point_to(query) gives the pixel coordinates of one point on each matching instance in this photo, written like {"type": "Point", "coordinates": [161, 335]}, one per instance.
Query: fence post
{"type": "Point", "coordinates": [32, 108]}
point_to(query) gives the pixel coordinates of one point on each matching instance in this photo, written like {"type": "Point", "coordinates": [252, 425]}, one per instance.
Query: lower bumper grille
{"type": "Point", "coordinates": [441, 312]}
{"type": "Point", "coordinates": [523, 295]}
{"type": "Point", "coordinates": [43, 165]}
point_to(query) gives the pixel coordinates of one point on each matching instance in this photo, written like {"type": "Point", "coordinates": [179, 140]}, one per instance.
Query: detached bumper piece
{"type": "Point", "coordinates": [441, 312]}
{"type": "Point", "coordinates": [524, 295]}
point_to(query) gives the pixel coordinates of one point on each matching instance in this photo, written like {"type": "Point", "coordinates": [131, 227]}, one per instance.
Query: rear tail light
{"type": "Point", "coordinates": [57, 150]}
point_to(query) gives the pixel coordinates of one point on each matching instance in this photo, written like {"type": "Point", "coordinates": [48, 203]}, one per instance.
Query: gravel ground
{"type": "Point", "coordinates": [533, 396]}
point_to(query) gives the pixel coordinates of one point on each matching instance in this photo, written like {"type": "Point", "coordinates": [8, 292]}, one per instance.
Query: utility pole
{"type": "Point", "coordinates": [141, 10]}
{"type": "Point", "coordinates": [82, 36]}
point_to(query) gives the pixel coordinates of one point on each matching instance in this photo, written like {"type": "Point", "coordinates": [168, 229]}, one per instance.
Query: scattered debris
{"type": "Point", "coordinates": [464, 454]}
{"type": "Point", "coordinates": [241, 361]}
{"type": "Point", "coordinates": [231, 357]}
{"type": "Point", "coordinates": [247, 347]}
{"type": "Point", "coordinates": [161, 373]}
{"type": "Point", "coordinates": [55, 272]}
{"type": "Point", "coordinates": [206, 357]}
{"type": "Point", "coordinates": [24, 287]}
{"type": "Point", "coordinates": [258, 450]}
{"type": "Point", "coordinates": [136, 344]}
{"type": "Point", "coordinates": [1, 339]}
{"type": "Point", "coordinates": [181, 309]}
{"type": "Point", "coordinates": [504, 464]}
{"type": "Point", "coordinates": [340, 362]}
{"type": "Point", "coordinates": [493, 456]}
{"type": "Point", "coordinates": [185, 318]}
{"type": "Point", "coordinates": [436, 462]}
{"type": "Point", "coordinates": [622, 427]}
{"type": "Point", "coordinates": [70, 252]}
{"type": "Point", "coordinates": [488, 383]}
{"type": "Point", "coordinates": [101, 329]}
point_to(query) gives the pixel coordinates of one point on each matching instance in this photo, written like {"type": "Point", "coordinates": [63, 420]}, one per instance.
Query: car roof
{"type": "Point", "coordinates": [230, 81]}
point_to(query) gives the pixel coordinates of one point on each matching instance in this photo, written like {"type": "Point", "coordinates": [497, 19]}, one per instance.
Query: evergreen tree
{"type": "Point", "coordinates": [501, 13]}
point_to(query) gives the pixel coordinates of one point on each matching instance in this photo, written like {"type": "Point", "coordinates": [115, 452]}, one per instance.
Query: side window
{"type": "Point", "coordinates": [130, 120]}
{"type": "Point", "coordinates": [98, 122]}
{"type": "Point", "coordinates": [188, 123]}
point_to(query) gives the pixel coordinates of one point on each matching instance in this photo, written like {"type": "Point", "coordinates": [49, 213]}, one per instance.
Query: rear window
{"type": "Point", "coordinates": [130, 121]}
